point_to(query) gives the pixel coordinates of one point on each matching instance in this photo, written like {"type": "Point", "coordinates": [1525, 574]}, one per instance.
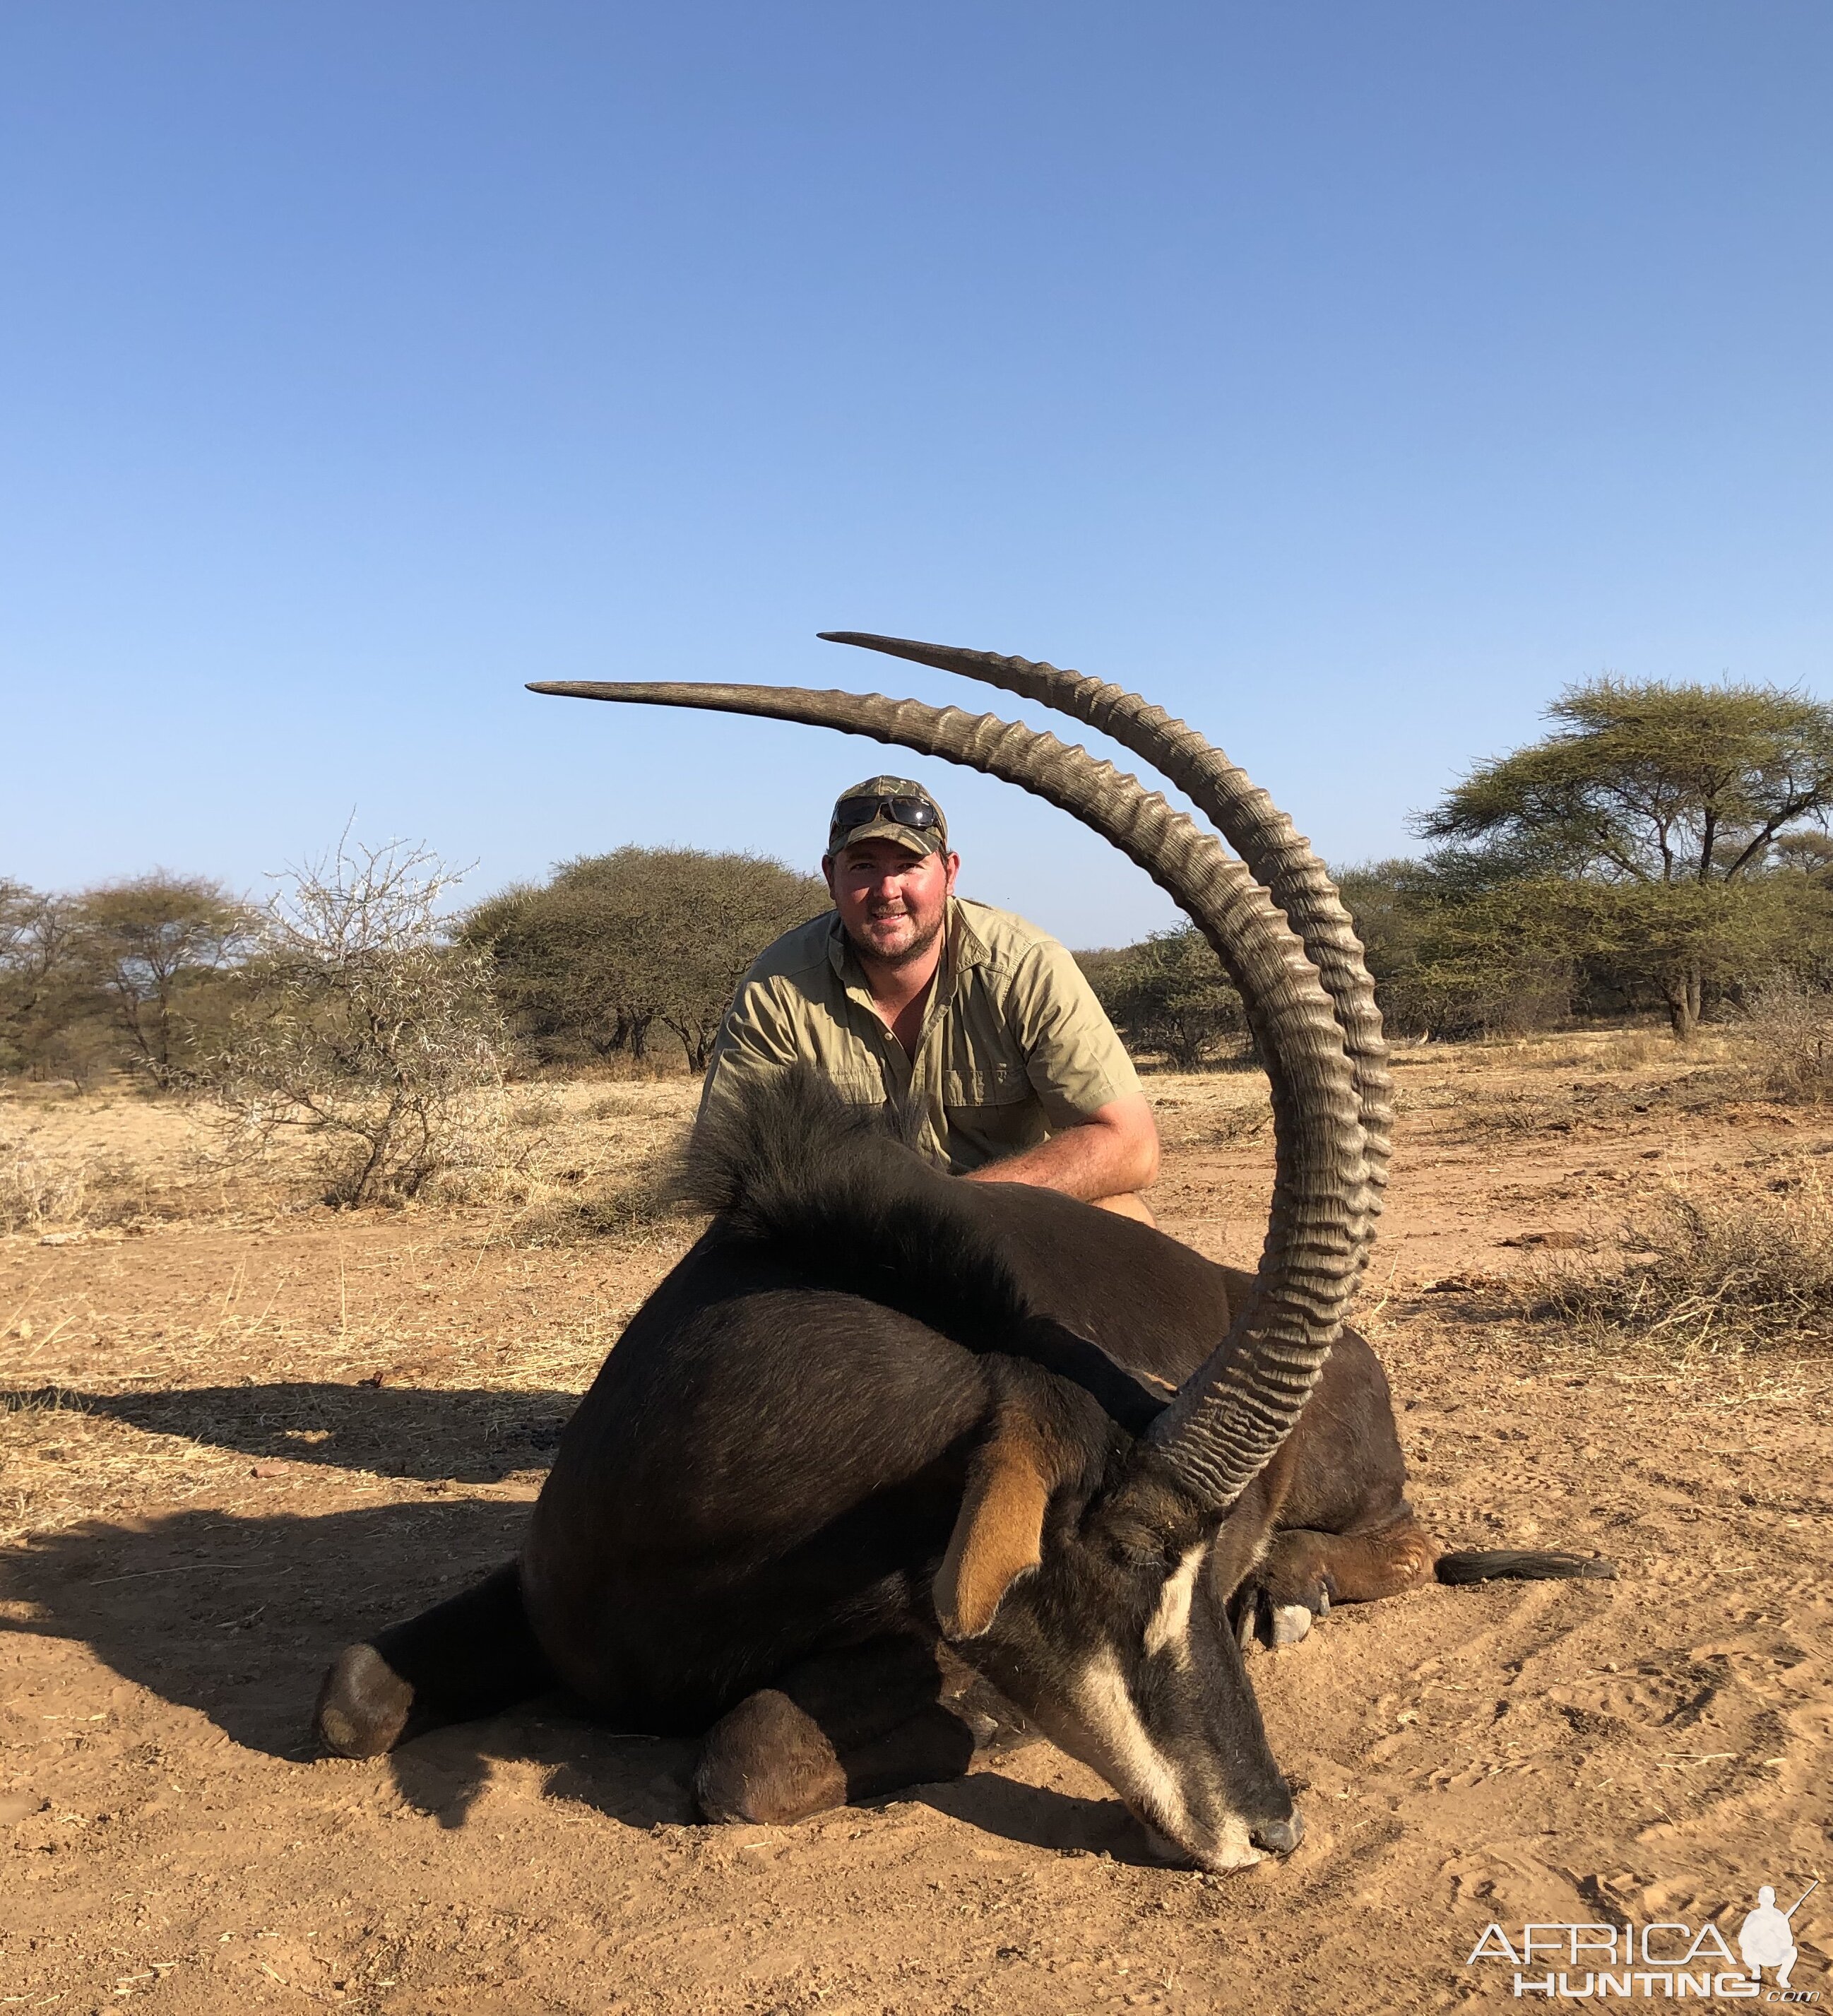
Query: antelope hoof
{"type": "Point", "coordinates": [364, 1705]}
{"type": "Point", "coordinates": [1290, 1622]}
{"type": "Point", "coordinates": [767, 1763]}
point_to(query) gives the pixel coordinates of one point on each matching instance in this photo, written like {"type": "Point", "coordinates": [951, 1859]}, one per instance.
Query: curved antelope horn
{"type": "Point", "coordinates": [1277, 855]}
{"type": "Point", "coordinates": [1237, 1409]}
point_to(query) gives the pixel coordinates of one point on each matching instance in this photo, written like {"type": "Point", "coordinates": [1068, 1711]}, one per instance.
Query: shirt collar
{"type": "Point", "coordinates": [967, 947]}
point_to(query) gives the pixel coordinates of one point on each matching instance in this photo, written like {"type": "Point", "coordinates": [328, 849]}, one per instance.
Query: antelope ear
{"type": "Point", "coordinates": [998, 1532]}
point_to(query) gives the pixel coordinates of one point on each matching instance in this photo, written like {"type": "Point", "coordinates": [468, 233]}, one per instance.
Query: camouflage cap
{"type": "Point", "coordinates": [881, 821]}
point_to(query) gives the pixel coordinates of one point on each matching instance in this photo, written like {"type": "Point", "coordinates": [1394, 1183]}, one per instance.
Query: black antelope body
{"type": "Point", "coordinates": [891, 1467]}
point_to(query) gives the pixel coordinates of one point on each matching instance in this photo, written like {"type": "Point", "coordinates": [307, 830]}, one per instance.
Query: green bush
{"type": "Point", "coordinates": [1168, 994]}
{"type": "Point", "coordinates": [617, 946]}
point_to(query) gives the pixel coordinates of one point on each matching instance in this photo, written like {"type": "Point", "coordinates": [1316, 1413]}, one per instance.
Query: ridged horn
{"type": "Point", "coordinates": [1237, 1409]}
{"type": "Point", "coordinates": [1276, 854]}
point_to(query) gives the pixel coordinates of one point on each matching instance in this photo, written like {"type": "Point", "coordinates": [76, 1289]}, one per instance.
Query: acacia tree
{"type": "Point", "coordinates": [142, 944]}
{"type": "Point", "coordinates": [1663, 793]}
{"type": "Point", "coordinates": [617, 944]}
{"type": "Point", "coordinates": [36, 978]}
{"type": "Point", "coordinates": [1808, 853]}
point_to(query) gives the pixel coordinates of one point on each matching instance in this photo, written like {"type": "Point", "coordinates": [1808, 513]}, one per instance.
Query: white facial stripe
{"type": "Point", "coordinates": [1135, 1767]}
{"type": "Point", "coordinates": [1139, 1769]}
{"type": "Point", "coordinates": [1171, 1622]}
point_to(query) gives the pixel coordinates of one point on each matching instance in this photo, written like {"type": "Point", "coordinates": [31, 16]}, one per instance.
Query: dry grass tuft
{"type": "Point", "coordinates": [117, 1157]}
{"type": "Point", "coordinates": [1586, 1106]}
{"type": "Point", "coordinates": [1789, 1028]}
{"type": "Point", "coordinates": [541, 1107]}
{"type": "Point", "coordinates": [38, 1191]}
{"type": "Point", "coordinates": [612, 1106]}
{"type": "Point", "coordinates": [41, 1400]}
{"type": "Point", "coordinates": [1511, 1111]}
{"type": "Point", "coordinates": [1709, 1273]}
{"type": "Point", "coordinates": [598, 1165]}
{"type": "Point", "coordinates": [42, 1190]}
{"type": "Point", "coordinates": [1634, 1050]}
{"type": "Point", "coordinates": [549, 1214]}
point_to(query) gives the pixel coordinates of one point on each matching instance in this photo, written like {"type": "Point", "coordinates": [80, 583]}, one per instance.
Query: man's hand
{"type": "Point", "coordinates": [1113, 1152]}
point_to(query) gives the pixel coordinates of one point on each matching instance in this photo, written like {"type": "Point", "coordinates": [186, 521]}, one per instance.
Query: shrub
{"type": "Point", "coordinates": [362, 1028]}
{"type": "Point", "coordinates": [1713, 1273]}
{"type": "Point", "coordinates": [38, 1190]}
{"type": "Point", "coordinates": [1791, 1028]}
{"type": "Point", "coordinates": [1498, 942]}
{"type": "Point", "coordinates": [1168, 994]}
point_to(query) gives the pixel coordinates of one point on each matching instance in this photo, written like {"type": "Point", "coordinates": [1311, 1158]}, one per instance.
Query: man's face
{"type": "Point", "coordinates": [891, 902]}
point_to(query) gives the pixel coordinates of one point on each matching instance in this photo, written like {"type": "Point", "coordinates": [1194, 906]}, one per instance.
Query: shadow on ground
{"type": "Point", "coordinates": [235, 1619]}
{"type": "Point", "coordinates": [470, 1435]}
{"type": "Point", "coordinates": [1040, 1817]}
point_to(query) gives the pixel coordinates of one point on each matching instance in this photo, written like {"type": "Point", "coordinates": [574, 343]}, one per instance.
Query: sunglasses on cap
{"type": "Point", "coordinates": [918, 814]}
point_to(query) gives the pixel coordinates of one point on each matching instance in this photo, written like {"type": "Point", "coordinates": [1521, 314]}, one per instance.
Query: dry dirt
{"type": "Point", "coordinates": [239, 1438]}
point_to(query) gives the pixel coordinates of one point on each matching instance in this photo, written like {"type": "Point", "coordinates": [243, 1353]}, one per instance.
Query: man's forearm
{"type": "Point", "coordinates": [1105, 1157]}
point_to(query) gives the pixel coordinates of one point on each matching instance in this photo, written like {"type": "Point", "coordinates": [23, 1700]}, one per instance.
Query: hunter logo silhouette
{"type": "Point", "coordinates": [1765, 1939]}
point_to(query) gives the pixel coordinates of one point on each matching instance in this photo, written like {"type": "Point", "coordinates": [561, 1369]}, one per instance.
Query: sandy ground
{"type": "Point", "coordinates": [241, 1438]}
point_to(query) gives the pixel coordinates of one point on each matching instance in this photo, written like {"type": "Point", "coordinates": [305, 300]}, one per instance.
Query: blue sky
{"type": "Point", "coordinates": [1348, 378]}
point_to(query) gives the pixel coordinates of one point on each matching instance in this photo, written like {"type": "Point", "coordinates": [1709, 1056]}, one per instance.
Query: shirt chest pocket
{"type": "Point", "coordinates": [857, 1086]}
{"type": "Point", "coordinates": [994, 1084]}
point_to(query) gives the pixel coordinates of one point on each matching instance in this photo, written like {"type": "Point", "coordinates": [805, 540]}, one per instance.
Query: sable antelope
{"type": "Point", "coordinates": [890, 1466]}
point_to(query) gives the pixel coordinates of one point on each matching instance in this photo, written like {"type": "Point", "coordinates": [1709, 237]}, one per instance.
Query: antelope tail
{"type": "Point", "coordinates": [1510, 1564]}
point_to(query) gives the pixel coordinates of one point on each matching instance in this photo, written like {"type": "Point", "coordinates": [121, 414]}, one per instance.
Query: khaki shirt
{"type": "Point", "coordinates": [1015, 1045]}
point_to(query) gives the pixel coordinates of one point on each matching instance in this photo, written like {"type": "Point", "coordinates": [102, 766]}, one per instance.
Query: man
{"type": "Point", "coordinates": [906, 994]}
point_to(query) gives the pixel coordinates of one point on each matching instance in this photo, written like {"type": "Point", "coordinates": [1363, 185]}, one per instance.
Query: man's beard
{"type": "Point", "coordinates": [914, 950]}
